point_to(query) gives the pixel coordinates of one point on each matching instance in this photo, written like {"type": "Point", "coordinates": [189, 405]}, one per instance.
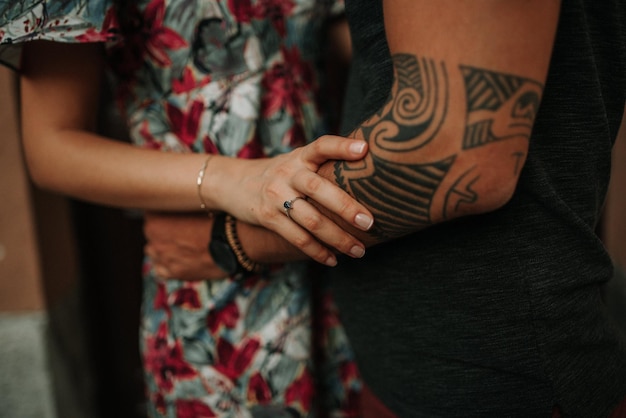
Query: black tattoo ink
{"type": "Point", "coordinates": [499, 106]}
{"type": "Point", "coordinates": [400, 195]}
{"type": "Point", "coordinates": [460, 192]}
{"type": "Point", "coordinates": [415, 111]}
{"type": "Point", "coordinates": [393, 180]}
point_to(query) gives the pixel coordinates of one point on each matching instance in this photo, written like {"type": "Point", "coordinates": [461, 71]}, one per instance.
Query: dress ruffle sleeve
{"type": "Point", "coordinates": [70, 21]}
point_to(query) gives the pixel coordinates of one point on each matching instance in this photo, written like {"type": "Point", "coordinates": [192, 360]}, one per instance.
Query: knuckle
{"type": "Point", "coordinates": [296, 153]}
{"type": "Point", "coordinates": [303, 241]}
{"type": "Point", "coordinates": [313, 184]}
{"type": "Point", "coordinates": [281, 171]}
{"type": "Point", "coordinates": [320, 255]}
{"type": "Point", "coordinates": [345, 244]}
{"type": "Point", "coordinates": [313, 222]}
{"type": "Point", "coordinates": [268, 214]}
{"type": "Point", "coordinates": [272, 190]}
{"type": "Point", "coordinates": [346, 204]}
{"type": "Point", "coordinates": [318, 144]}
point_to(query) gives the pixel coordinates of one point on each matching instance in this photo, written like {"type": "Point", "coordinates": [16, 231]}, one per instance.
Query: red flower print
{"type": "Point", "coordinates": [252, 281]}
{"type": "Point", "coordinates": [191, 408]}
{"type": "Point", "coordinates": [351, 407]}
{"type": "Point", "coordinates": [241, 9]}
{"type": "Point", "coordinates": [295, 137]}
{"type": "Point", "coordinates": [252, 149]}
{"type": "Point", "coordinates": [209, 146]}
{"type": "Point", "coordinates": [176, 364]}
{"type": "Point", "coordinates": [287, 85]}
{"type": "Point", "coordinates": [276, 11]}
{"type": "Point", "coordinates": [187, 297]}
{"type": "Point", "coordinates": [160, 299]}
{"type": "Point", "coordinates": [301, 391]}
{"type": "Point", "coordinates": [258, 390]}
{"type": "Point", "coordinates": [165, 361]}
{"type": "Point", "coordinates": [348, 372]}
{"type": "Point", "coordinates": [159, 404]}
{"type": "Point", "coordinates": [231, 361]}
{"type": "Point", "coordinates": [144, 132]}
{"type": "Point", "coordinates": [330, 316]}
{"type": "Point", "coordinates": [108, 31]}
{"type": "Point", "coordinates": [226, 316]}
{"type": "Point", "coordinates": [185, 124]}
{"type": "Point", "coordinates": [188, 82]}
{"type": "Point", "coordinates": [160, 38]}
{"type": "Point", "coordinates": [149, 38]}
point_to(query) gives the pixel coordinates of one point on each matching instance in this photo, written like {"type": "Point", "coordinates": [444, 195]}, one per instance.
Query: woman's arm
{"type": "Point", "coordinates": [59, 90]}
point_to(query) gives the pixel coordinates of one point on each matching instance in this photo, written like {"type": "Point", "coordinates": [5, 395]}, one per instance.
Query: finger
{"type": "Point", "coordinates": [305, 242]}
{"type": "Point", "coordinates": [329, 147]}
{"type": "Point", "coordinates": [333, 198]}
{"type": "Point", "coordinates": [324, 229]}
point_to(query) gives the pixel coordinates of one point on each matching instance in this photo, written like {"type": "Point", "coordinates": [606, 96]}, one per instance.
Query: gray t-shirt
{"type": "Point", "coordinates": [500, 314]}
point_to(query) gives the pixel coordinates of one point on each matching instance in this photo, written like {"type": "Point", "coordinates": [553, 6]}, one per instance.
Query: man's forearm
{"type": "Point", "coordinates": [265, 246]}
{"type": "Point", "coordinates": [453, 136]}
{"type": "Point", "coordinates": [438, 149]}
{"type": "Point", "coordinates": [449, 142]}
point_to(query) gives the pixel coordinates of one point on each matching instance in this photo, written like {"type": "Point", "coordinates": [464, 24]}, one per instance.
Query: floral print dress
{"type": "Point", "coordinates": [231, 77]}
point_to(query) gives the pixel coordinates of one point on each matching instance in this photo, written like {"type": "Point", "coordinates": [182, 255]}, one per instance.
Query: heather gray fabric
{"type": "Point", "coordinates": [501, 315]}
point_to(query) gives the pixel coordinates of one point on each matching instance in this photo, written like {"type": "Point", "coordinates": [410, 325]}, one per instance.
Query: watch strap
{"type": "Point", "coordinates": [219, 244]}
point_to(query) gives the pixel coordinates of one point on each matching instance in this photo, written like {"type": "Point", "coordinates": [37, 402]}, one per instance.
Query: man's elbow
{"type": "Point", "coordinates": [499, 193]}
{"type": "Point", "coordinates": [473, 192]}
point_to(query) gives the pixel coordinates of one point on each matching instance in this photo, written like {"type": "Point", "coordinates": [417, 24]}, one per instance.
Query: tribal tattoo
{"type": "Point", "coordinates": [396, 180]}
{"type": "Point", "coordinates": [499, 106]}
{"type": "Point", "coordinates": [400, 195]}
{"type": "Point", "coordinates": [414, 115]}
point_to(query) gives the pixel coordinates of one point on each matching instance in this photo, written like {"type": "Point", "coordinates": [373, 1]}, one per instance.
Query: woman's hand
{"type": "Point", "coordinates": [177, 245]}
{"type": "Point", "coordinates": [255, 192]}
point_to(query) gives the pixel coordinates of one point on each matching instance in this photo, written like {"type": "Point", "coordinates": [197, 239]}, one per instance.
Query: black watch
{"type": "Point", "coordinates": [221, 251]}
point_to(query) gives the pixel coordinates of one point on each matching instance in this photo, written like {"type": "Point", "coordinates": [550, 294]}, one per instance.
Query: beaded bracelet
{"type": "Point", "coordinates": [233, 240]}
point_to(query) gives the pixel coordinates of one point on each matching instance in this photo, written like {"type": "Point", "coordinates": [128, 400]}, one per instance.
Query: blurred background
{"type": "Point", "coordinates": [70, 280]}
{"type": "Point", "coordinates": [70, 289]}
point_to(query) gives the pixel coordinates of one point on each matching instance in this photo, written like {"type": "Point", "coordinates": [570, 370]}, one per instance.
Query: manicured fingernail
{"type": "Point", "coordinates": [331, 261]}
{"type": "Point", "coordinates": [363, 221]}
{"type": "Point", "coordinates": [357, 251]}
{"type": "Point", "coordinates": [357, 147]}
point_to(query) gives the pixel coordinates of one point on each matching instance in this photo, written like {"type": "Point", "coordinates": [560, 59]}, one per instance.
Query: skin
{"type": "Point", "coordinates": [453, 136]}
{"type": "Point", "coordinates": [59, 100]}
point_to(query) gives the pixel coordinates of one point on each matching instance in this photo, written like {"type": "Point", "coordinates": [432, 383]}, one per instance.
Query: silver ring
{"type": "Point", "coordinates": [288, 205]}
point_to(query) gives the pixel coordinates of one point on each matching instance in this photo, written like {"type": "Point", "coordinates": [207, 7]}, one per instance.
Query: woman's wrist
{"type": "Point", "coordinates": [200, 183]}
{"type": "Point", "coordinates": [222, 185]}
